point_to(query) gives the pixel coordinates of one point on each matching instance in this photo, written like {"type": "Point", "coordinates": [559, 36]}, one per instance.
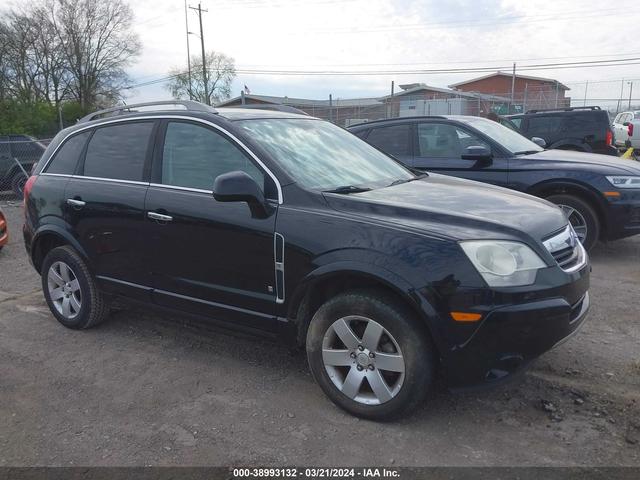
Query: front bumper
{"type": "Point", "coordinates": [623, 216]}
{"type": "Point", "coordinates": [515, 328]}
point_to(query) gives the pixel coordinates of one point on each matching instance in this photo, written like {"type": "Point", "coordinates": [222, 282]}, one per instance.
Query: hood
{"type": "Point", "coordinates": [456, 208]}
{"type": "Point", "coordinates": [588, 160]}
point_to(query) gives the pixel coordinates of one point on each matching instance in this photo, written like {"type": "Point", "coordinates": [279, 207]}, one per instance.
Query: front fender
{"type": "Point", "coordinates": [374, 272]}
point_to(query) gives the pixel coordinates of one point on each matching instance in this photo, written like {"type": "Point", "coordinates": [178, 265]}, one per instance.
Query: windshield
{"type": "Point", "coordinates": [509, 139]}
{"type": "Point", "coordinates": [322, 156]}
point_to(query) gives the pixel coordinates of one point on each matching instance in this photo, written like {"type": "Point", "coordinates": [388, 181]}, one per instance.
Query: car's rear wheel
{"type": "Point", "coordinates": [582, 217]}
{"type": "Point", "coordinates": [70, 290]}
{"type": "Point", "coordinates": [370, 354]}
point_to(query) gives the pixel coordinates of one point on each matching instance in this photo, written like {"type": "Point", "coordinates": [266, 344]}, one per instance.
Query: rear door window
{"type": "Point", "coordinates": [65, 160]}
{"type": "Point", "coordinates": [394, 140]}
{"type": "Point", "coordinates": [118, 151]}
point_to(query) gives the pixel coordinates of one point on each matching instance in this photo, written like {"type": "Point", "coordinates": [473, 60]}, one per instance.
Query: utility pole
{"type": "Point", "coordinates": [204, 59]}
{"type": "Point", "coordinates": [630, 92]}
{"type": "Point", "coordinates": [586, 87]}
{"type": "Point", "coordinates": [620, 99]}
{"type": "Point", "coordinates": [186, 22]}
{"type": "Point", "coordinates": [513, 86]}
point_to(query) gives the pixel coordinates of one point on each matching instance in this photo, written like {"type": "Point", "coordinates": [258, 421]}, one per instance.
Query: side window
{"type": "Point", "coordinates": [394, 140]}
{"type": "Point", "coordinates": [445, 141]}
{"type": "Point", "coordinates": [544, 126]}
{"type": "Point", "coordinates": [66, 158]}
{"type": "Point", "coordinates": [118, 151]}
{"type": "Point", "coordinates": [5, 151]}
{"type": "Point", "coordinates": [617, 119]}
{"type": "Point", "coordinates": [516, 121]}
{"type": "Point", "coordinates": [194, 155]}
{"type": "Point", "coordinates": [24, 147]}
{"type": "Point", "coordinates": [362, 134]}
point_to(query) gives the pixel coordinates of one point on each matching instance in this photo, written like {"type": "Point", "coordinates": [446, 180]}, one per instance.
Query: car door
{"type": "Point", "coordinates": [104, 204]}
{"type": "Point", "coordinates": [208, 257]}
{"type": "Point", "coordinates": [440, 146]}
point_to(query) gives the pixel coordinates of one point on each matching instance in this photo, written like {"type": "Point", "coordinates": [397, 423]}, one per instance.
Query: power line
{"type": "Point", "coordinates": [479, 69]}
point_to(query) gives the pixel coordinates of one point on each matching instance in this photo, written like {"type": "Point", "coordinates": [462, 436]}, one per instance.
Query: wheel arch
{"type": "Point", "coordinates": [49, 237]}
{"type": "Point", "coordinates": [580, 190]}
{"type": "Point", "coordinates": [571, 144]}
{"type": "Point", "coordinates": [329, 280]}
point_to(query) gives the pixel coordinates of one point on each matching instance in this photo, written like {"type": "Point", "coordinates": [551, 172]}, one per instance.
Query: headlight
{"type": "Point", "coordinates": [624, 181]}
{"type": "Point", "coordinates": [503, 263]}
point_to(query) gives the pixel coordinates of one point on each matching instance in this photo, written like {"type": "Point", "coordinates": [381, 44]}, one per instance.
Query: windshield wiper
{"type": "Point", "coordinates": [526, 152]}
{"type": "Point", "coordinates": [418, 176]}
{"type": "Point", "coordinates": [348, 189]}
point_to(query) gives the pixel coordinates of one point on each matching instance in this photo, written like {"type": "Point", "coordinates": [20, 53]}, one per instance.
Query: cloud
{"type": "Point", "coordinates": [380, 34]}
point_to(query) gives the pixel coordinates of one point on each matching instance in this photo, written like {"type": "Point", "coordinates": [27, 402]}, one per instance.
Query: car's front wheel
{"type": "Point", "coordinates": [370, 355]}
{"type": "Point", "coordinates": [582, 217]}
{"type": "Point", "coordinates": [70, 290]}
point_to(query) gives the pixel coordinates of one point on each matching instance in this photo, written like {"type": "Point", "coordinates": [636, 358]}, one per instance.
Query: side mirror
{"type": "Point", "coordinates": [539, 141]}
{"type": "Point", "coordinates": [477, 152]}
{"type": "Point", "coordinates": [238, 186]}
{"type": "Point", "coordinates": [626, 124]}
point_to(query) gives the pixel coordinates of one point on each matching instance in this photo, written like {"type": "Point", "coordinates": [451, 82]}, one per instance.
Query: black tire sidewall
{"type": "Point", "coordinates": [87, 286]}
{"type": "Point", "coordinates": [589, 214]}
{"type": "Point", "coordinates": [413, 341]}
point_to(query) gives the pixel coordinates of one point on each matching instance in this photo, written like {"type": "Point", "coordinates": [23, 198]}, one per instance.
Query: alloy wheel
{"type": "Point", "coordinates": [363, 360]}
{"type": "Point", "coordinates": [64, 290]}
{"type": "Point", "coordinates": [577, 221]}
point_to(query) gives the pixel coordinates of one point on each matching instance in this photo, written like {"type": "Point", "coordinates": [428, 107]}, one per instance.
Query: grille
{"type": "Point", "coordinates": [567, 250]}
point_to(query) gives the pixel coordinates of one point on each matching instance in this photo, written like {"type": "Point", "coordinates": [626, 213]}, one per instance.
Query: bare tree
{"type": "Point", "coordinates": [221, 71]}
{"type": "Point", "coordinates": [98, 44]}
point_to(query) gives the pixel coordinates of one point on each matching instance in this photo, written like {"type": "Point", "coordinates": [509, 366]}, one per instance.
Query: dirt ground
{"type": "Point", "coordinates": [148, 390]}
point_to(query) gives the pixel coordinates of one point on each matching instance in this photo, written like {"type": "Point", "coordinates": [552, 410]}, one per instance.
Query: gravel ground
{"type": "Point", "coordinates": [142, 389]}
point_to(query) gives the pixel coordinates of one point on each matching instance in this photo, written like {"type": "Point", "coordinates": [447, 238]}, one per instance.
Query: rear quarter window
{"type": "Point", "coordinates": [65, 160]}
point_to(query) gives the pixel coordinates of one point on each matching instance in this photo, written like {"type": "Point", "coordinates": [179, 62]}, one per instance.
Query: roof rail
{"type": "Point", "coordinates": [564, 109]}
{"type": "Point", "coordinates": [124, 109]}
{"type": "Point", "coordinates": [272, 107]}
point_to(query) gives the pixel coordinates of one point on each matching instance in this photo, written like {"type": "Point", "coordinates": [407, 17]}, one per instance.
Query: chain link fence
{"type": "Point", "coordinates": [18, 154]}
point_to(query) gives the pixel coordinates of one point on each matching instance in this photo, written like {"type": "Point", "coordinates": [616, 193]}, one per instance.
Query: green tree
{"type": "Point", "coordinates": [221, 71]}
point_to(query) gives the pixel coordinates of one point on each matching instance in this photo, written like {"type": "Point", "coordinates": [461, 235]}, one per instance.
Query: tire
{"type": "Point", "coordinates": [402, 334]}
{"type": "Point", "coordinates": [17, 184]}
{"type": "Point", "coordinates": [589, 218]}
{"type": "Point", "coordinates": [85, 304]}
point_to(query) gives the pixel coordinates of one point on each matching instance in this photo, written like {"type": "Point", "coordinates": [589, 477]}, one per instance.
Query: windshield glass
{"type": "Point", "coordinates": [322, 156]}
{"type": "Point", "coordinates": [509, 139]}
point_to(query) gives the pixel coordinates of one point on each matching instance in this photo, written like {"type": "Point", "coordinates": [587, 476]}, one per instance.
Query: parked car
{"type": "Point", "coordinates": [18, 153]}
{"type": "Point", "coordinates": [290, 226]}
{"type": "Point", "coordinates": [600, 194]}
{"type": "Point", "coordinates": [626, 129]}
{"type": "Point", "coordinates": [4, 230]}
{"type": "Point", "coordinates": [583, 129]}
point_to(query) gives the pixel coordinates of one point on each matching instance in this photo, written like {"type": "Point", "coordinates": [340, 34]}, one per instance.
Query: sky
{"type": "Point", "coordinates": [390, 35]}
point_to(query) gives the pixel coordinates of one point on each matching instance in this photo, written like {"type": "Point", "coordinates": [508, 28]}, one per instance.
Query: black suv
{"type": "Point", "coordinates": [600, 194]}
{"type": "Point", "coordinates": [18, 153]}
{"type": "Point", "coordinates": [583, 129]}
{"type": "Point", "coordinates": [290, 226]}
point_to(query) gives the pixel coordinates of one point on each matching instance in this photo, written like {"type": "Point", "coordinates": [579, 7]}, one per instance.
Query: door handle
{"type": "Point", "coordinates": [159, 216]}
{"type": "Point", "coordinates": [75, 203]}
